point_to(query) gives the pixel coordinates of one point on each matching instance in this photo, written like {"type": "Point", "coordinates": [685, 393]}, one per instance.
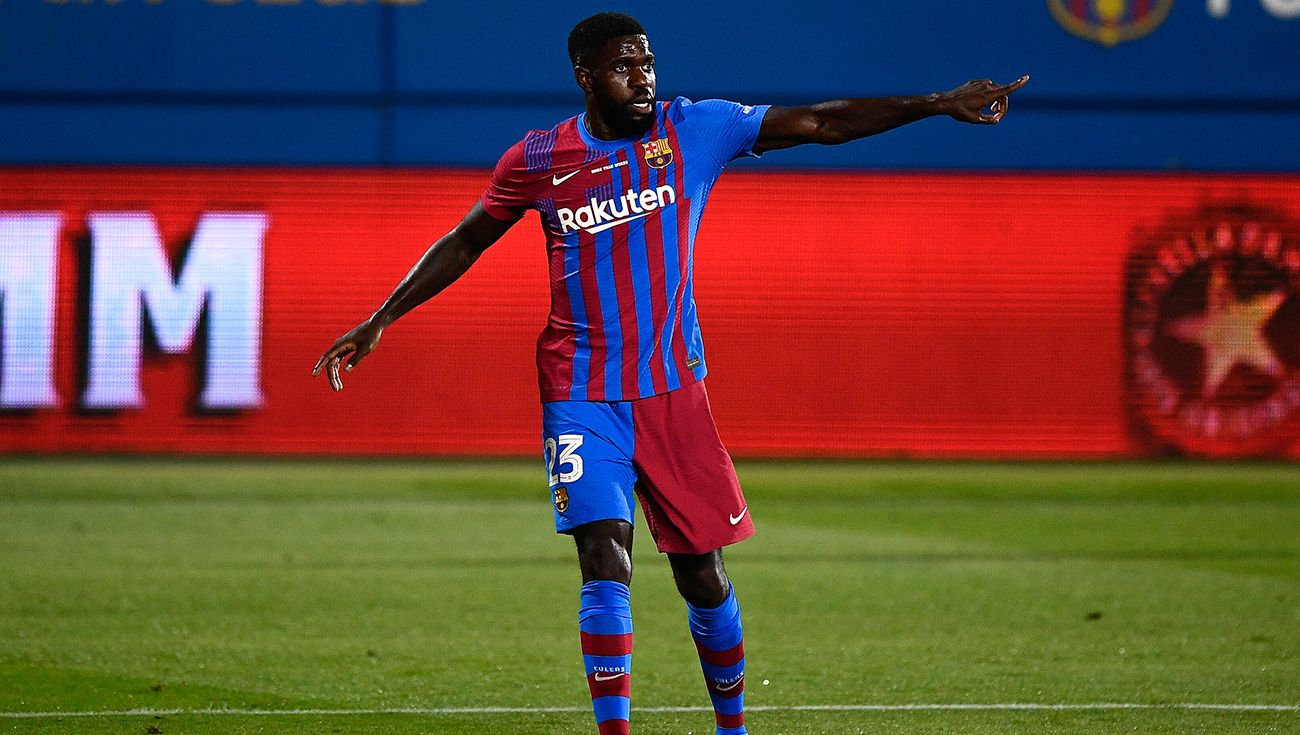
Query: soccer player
{"type": "Point", "coordinates": [620, 190]}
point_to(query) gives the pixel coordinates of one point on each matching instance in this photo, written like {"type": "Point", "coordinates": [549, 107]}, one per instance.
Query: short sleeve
{"type": "Point", "coordinates": [506, 198]}
{"type": "Point", "coordinates": [732, 127]}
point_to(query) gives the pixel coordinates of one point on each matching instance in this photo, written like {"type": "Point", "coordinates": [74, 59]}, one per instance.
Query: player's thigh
{"type": "Point", "coordinates": [691, 496]}
{"type": "Point", "coordinates": [587, 449]}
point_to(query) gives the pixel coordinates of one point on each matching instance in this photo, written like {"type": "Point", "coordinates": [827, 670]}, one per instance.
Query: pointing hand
{"type": "Point", "coordinates": [967, 103]}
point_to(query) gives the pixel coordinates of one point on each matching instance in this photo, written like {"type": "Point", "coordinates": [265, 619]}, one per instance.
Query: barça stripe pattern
{"type": "Point", "coordinates": [620, 219]}
{"type": "Point", "coordinates": [719, 640]}
{"type": "Point", "coordinates": [605, 622]}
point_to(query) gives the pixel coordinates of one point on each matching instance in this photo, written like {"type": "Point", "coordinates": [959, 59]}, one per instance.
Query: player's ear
{"type": "Point", "coordinates": [582, 76]}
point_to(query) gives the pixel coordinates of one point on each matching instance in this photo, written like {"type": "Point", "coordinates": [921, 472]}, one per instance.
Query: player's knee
{"type": "Point", "coordinates": [701, 578]}
{"type": "Point", "coordinates": [605, 551]}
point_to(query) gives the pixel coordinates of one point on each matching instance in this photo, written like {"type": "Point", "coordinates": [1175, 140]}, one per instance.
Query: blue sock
{"type": "Point", "coordinates": [605, 622]}
{"type": "Point", "coordinates": [720, 643]}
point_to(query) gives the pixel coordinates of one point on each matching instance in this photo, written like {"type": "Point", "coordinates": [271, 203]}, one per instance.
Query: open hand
{"type": "Point", "coordinates": [968, 102]}
{"type": "Point", "coordinates": [352, 347]}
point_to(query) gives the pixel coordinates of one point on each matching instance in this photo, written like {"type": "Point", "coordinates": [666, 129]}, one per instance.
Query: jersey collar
{"type": "Point", "coordinates": [593, 142]}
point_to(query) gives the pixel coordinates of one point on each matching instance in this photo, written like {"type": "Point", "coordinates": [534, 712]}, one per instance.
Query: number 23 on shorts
{"type": "Point", "coordinates": [561, 452]}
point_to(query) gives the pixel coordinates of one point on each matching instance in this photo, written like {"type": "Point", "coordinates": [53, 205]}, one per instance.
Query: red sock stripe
{"type": "Point", "coordinates": [726, 720]}
{"type": "Point", "coordinates": [726, 691]}
{"type": "Point", "coordinates": [729, 657]}
{"type": "Point", "coordinates": [612, 686]}
{"type": "Point", "coordinates": [612, 727]}
{"type": "Point", "coordinates": [595, 644]}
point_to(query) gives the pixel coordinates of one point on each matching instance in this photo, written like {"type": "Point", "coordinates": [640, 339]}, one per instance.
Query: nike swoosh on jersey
{"type": "Point", "coordinates": [608, 677]}
{"type": "Point", "coordinates": [736, 519]}
{"type": "Point", "coordinates": [557, 180]}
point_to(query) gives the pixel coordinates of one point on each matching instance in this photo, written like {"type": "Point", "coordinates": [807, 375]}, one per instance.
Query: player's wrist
{"type": "Point", "coordinates": [937, 103]}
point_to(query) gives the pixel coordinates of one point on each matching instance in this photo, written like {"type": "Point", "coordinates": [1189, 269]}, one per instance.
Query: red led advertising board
{"type": "Point", "coordinates": [925, 315]}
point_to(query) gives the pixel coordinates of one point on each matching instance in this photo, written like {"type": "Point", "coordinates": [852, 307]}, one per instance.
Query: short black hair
{"type": "Point", "coordinates": [591, 33]}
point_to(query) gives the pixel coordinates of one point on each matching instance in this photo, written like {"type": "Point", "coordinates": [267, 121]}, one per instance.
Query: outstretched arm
{"type": "Point", "coordinates": [439, 267]}
{"type": "Point", "coordinates": [839, 121]}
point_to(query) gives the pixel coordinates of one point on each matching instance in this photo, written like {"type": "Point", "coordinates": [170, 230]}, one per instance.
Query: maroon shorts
{"type": "Point", "coordinates": [665, 449]}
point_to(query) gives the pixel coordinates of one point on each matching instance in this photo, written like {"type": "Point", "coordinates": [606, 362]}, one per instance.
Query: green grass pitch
{"type": "Point", "coordinates": [287, 590]}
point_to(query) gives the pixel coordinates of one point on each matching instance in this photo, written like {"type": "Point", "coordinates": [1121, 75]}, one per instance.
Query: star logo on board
{"type": "Point", "coordinates": [1212, 333]}
{"type": "Point", "coordinates": [1231, 331]}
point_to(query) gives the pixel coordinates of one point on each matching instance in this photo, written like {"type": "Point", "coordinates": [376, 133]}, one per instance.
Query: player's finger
{"type": "Point", "coordinates": [1008, 89]}
{"type": "Point", "coordinates": [330, 354]}
{"type": "Point", "coordinates": [336, 382]}
{"type": "Point", "coordinates": [998, 108]}
{"type": "Point", "coordinates": [356, 358]}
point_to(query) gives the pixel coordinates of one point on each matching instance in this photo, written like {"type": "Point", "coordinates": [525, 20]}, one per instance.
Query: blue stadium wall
{"type": "Point", "coordinates": [1212, 86]}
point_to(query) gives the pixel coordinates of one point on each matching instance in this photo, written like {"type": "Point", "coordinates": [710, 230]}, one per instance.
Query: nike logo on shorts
{"type": "Point", "coordinates": [557, 180]}
{"type": "Point", "coordinates": [607, 677]}
{"type": "Point", "coordinates": [736, 518]}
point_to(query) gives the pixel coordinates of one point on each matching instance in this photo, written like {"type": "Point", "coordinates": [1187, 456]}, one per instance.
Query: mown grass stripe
{"type": "Point", "coordinates": [920, 707]}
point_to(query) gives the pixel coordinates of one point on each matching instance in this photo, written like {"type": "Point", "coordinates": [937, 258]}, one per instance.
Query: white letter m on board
{"type": "Point", "coordinates": [131, 279]}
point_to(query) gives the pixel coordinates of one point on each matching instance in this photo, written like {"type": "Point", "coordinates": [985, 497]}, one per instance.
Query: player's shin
{"type": "Point", "coordinates": [605, 622]}
{"type": "Point", "coordinates": [720, 643]}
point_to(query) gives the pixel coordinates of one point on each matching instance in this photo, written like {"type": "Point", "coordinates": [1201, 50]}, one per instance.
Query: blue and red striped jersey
{"type": "Point", "coordinates": [620, 218]}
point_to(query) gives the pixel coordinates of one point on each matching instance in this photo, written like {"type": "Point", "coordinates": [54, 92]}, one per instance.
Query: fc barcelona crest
{"type": "Point", "coordinates": [658, 153]}
{"type": "Point", "coordinates": [561, 498]}
{"type": "Point", "coordinates": [1110, 22]}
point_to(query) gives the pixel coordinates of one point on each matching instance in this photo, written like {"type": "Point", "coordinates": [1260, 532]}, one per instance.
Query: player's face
{"type": "Point", "coordinates": [622, 81]}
